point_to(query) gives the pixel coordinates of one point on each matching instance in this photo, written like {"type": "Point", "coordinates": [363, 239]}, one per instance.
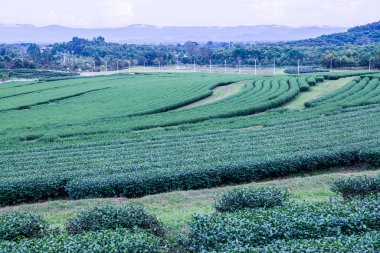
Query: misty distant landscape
{"type": "Point", "coordinates": [171, 34]}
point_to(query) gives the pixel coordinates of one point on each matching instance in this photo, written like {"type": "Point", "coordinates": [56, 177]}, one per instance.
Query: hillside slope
{"type": "Point", "coordinates": [360, 35]}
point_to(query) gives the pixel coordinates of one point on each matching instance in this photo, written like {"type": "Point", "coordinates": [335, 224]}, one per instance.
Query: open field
{"type": "Point", "coordinates": [173, 142]}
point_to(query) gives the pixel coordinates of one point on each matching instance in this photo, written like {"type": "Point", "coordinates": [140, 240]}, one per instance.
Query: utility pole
{"type": "Point", "coordinates": [210, 66]}
{"type": "Point", "coordinates": [64, 59]}
{"type": "Point", "coordinates": [225, 66]}
{"type": "Point", "coordinates": [194, 66]}
{"type": "Point", "coordinates": [106, 66]}
{"type": "Point", "coordinates": [129, 66]}
{"type": "Point", "coordinates": [298, 67]}
{"type": "Point", "coordinates": [255, 67]}
{"type": "Point", "coordinates": [117, 65]}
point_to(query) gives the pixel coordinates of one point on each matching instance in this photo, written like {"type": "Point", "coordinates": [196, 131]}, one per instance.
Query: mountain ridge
{"type": "Point", "coordinates": [141, 33]}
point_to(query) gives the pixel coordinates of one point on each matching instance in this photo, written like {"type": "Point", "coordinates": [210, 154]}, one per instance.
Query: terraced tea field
{"type": "Point", "coordinates": [63, 131]}
{"type": "Point", "coordinates": [135, 135]}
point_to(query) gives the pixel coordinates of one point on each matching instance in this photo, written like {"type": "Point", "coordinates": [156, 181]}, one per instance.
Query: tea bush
{"type": "Point", "coordinates": [251, 198]}
{"type": "Point", "coordinates": [16, 225]}
{"type": "Point", "coordinates": [364, 243]}
{"type": "Point", "coordinates": [260, 227]}
{"type": "Point", "coordinates": [112, 217]}
{"type": "Point", "coordinates": [356, 186]}
{"type": "Point", "coordinates": [106, 241]}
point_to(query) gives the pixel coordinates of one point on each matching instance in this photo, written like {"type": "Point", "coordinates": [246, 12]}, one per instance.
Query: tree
{"type": "Point", "coordinates": [34, 52]}
{"type": "Point", "coordinates": [18, 64]}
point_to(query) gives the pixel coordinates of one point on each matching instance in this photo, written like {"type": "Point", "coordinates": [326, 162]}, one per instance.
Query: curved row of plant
{"type": "Point", "coordinates": [138, 95]}
{"type": "Point", "coordinates": [358, 92]}
{"type": "Point", "coordinates": [190, 161]}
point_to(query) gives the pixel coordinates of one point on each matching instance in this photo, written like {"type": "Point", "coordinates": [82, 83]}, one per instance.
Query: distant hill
{"type": "Point", "coordinates": [153, 34]}
{"type": "Point", "coordinates": [360, 35]}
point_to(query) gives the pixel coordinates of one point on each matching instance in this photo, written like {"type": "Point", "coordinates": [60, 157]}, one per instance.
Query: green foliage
{"type": "Point", "coordinates": [99, 153]}
{"type": "Point", "coordinates": [361, 35]}
{"type": "Point", "coordinates": [356, 186]}
{"type": "Point", "coordinates": [251, 198]}
{"type": "Point", "coordinates": [119, 240]}
{"type": "Point", "coordinates": [368, 242]}
{"type": "Point", "coordinates": [311, 81]}
{"type": "Point", "coordinates": [17, 225]}
{"type": "Point", "coordinates": [305, 70]}
{"type": "Point", "coordinates": [29, 188]}
{"type": "Point", "coordinates": [112, 217]}
{"type": "Point", "coordinates": [320, 79]}
{"type": "Point", "coordinates": [3, 76]}
{"type": "Point", "coordinates": [303, 84]}
{"type": "Point", "coordinates": [35, 74]}
{"type": "Point", "coordinates": [260, 227]}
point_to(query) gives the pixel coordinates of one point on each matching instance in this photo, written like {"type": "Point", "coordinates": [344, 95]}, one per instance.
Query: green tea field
{"type": "Point", "coordinates": [173, 142]}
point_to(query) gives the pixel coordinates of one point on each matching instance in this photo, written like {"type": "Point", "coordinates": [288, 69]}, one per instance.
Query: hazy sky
{"type": "Point", "coordinates": [116, 13]}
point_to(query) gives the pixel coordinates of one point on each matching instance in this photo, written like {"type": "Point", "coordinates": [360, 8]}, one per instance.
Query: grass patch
{"type": "Point", "coordinates": [174, 209]}
{"type": "Point", "coordinates": [219, 93]}
{"type": "Point", "coordinates": [317, 91]}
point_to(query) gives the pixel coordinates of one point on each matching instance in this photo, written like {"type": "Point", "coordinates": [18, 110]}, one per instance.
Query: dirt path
{"type": "Point", "coordinates": [219, 93]}
{"type": "Point", "coordinates": [102, 73]}
{"type": "Point", "coordinates": [317, 91]}
{"type": "Point", "coordinates": [18, 80]}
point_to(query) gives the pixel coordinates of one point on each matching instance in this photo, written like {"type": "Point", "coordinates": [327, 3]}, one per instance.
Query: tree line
{"type": "Point", "coordinates": [84, 54]}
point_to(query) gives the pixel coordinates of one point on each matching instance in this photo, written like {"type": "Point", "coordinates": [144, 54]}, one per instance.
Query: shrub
{"type": "Point", "coordinates": [251, 198]}
{"type": "Point", "coordinates": [112, 217]}
{"type": "Point", "coordinates": [356, 186]}
{"type": "Point", "coordinates": [260, 227]}
{"type": "Point", "coordinates": [120, 240]}
{"type": "Point", "coordinates": [320, 79]}
{"type": "Point", "coordinates": [16, 225]}
{"type": "Point", "coordinates": [368, 242]}
{"type": "Point", "coordinates": [311, 81]}
{"type": "Point", "coordinates": [306, 69]}
{"type": "Point", "coordinates": [303, 84]}
{"type": "Point", "coordinates": [20, 190]}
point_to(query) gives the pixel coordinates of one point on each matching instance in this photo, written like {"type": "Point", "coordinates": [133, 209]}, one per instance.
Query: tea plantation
{"type": "Point", "coordinates": [129, 136]}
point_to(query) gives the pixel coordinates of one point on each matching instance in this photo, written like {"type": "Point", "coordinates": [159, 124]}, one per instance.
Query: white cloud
{"type": "Point", "coordinates": [117, 10]}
